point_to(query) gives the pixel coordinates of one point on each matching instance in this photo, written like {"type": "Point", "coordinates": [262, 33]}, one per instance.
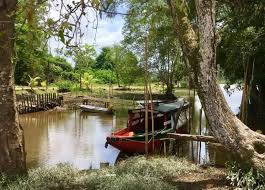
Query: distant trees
{"type": "Point", "coordinates": [84, 57]}
{"type": "Point", "coordinates": [113, 64]}
{"type": "Point", "coordinates": [103, 60]}
{"type": "Point", "coordinates": [125, 65]}
{"type": "Point", "coordinates": [152, 23]}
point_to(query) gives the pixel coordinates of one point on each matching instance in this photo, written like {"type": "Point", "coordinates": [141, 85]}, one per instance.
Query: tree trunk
{"type": "Point", "coordinates": [201, 52]}
{"type": "Point", "coordinates": [12, 152]}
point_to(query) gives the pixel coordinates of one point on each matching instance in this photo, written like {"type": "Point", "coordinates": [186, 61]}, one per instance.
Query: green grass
{"type": "Point", "coordinates": [138, 173]}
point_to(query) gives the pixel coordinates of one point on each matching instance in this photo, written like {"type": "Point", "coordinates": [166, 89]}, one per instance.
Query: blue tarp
{"type": "Point", "coordinates": [170, 107]}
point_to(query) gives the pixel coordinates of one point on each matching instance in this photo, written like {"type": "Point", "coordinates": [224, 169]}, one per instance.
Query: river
{"type": "Point", "coordinates": [78, 138]}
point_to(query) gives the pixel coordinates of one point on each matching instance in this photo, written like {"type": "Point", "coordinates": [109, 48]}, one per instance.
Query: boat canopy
{"type": "Point", "coordinates": [170, 107]}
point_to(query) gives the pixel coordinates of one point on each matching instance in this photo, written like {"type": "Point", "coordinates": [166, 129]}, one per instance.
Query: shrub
{"type": "Point", "coordinates": [64, 86]}
{"type": "Point", "coordinates": [245, 177]}
{"type": "Point", "coordinates": [105, 76]}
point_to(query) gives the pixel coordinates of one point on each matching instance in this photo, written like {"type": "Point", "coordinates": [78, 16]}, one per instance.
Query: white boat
{"type": "Point", "coordinates": [95, 109]}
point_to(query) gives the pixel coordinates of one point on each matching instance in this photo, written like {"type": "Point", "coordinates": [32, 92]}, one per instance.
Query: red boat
{"type": "Point", "coordinates": [166, 116]}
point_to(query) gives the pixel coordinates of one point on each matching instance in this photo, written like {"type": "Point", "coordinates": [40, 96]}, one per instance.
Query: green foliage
{"type": "Point", "coordinates": [33, 82]}
{"type": "Point", "coordinates": [134, 173]}
{"type": "Point", "coordinates": [30, 42]}
{"type": "Point", "coordinates": [103, 61]}
{"type": "Point", "coordinates": [152, 23]}
{"type": "Point", "coordinates": [245, 177]}
{"type": "Point", "coordinates": [105, 76]}
{"type": "Point", "coordinates": [87, 80]}
{"type": "Point", "coordinates": [243, 39]}
{"type": "Point", "coordinates": [64, 86]}
{"type": "Point", "coordinates": [43, 83]}
{"type": "Point", "coordinates": [57, 68]}
{"type": "Point", "coordinates": [125, 65]}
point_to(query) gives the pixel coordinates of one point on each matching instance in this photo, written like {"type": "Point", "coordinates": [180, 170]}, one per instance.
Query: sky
{"type": "Point", "coordinates": [108, 32]}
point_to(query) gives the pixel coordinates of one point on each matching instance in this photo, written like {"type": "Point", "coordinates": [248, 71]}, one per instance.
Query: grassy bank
{"type": "Point", "coordinates": [134, 173]}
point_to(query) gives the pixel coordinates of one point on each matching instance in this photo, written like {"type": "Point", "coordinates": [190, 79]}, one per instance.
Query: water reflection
{"type": "Point", "coordinates": [71, 136]}
{"type": "Point", "coordinates": [201, 152]}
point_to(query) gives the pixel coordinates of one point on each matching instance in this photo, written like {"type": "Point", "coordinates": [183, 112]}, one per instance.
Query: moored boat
{"type": "Point", "coordinates": [132, 138]}
{"type": "Point", "coordinates": [96, 109]}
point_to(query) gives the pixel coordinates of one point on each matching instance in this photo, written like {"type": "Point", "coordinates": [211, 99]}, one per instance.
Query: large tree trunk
{"type": "Point", "coordinates": [201, 52]}
{"type": "Point", "coordinates": [12, 152]}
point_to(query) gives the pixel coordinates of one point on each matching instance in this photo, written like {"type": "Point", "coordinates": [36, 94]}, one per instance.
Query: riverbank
{"type": "Point", "coordinates": [154, 173]}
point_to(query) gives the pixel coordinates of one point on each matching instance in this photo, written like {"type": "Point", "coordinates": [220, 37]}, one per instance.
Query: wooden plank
{"type": "Point", "coordinates": [189, 137]}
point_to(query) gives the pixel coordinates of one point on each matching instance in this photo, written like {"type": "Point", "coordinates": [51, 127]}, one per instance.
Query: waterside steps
{"type": "Point", "coordinates": [28, 103]}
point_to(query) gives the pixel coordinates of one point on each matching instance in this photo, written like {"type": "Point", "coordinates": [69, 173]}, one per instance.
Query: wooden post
{"type": "Point", "coordinates": [152, 118]}
{"type": "Point", "coordinates": [42, 101]}
{"type": "Point", "coordinates": [38, 102]}
{"type": "Point", "coordinates": [200, 128]}
{"type": "Point", "coordinates": [30, 103]}
{"type": "Point", "coordinates": [34, 103]}
{"type": "Point", "coordinates": [23, 104]}
{"type": "Point", "coordinates": [165, 148]}
{"type": "Point", "coordinates": [27, 104]}
{"type": "Point", "coordinates": [146, 97]}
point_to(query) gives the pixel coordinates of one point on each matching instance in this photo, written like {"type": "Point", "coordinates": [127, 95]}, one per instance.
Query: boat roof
{"type": "Point", "coordinates": [171, 107]}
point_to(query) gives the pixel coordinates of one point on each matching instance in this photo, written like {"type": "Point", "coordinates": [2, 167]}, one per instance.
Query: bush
{"type": "Point", "coordinates": [64, 86]}
{"type": "Point", "coordinates": [245, 177]}
{"type": "Point", "coordinates": [105, 76]}
{"type": "Point", "coordinates": [183, 84]}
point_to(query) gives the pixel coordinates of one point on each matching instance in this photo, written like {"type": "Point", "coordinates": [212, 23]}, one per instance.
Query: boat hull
{"type": "Point", "coordinates": [128, 142]}
{"type": "Point", "coordinates": [132, 147]}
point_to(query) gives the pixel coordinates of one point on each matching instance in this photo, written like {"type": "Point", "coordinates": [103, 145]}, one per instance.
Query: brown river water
{"type": "Point", "coordinates": [78, 138]}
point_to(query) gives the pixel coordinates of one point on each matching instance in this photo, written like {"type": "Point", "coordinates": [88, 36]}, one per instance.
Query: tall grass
{"type": "Point", "coordinates": [136, 173]}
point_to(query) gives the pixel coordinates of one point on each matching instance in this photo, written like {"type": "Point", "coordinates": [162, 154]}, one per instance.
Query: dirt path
{"type": "Point", "coordinates": [211, 179]}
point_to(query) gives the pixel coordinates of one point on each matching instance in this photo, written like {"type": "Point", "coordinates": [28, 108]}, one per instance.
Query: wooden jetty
{"type": "Point", "coordinates": [27, 103]}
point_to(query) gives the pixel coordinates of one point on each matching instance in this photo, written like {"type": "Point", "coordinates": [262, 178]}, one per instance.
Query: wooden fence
{"type": "Point", "coordinates": [27, 103]}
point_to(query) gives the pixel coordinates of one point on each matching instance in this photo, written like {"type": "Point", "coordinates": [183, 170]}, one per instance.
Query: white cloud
{"type": "Point", "coordinates": [105, 32]}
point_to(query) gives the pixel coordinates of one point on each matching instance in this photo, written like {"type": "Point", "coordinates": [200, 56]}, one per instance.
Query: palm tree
{"type": "Point", "coordinates": [87, 80]}
{"type": "Point", "coordinates": [33, 82]}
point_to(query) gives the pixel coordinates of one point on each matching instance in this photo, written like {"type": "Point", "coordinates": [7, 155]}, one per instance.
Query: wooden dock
{"type": "Point", "coordinates": [27, 103]}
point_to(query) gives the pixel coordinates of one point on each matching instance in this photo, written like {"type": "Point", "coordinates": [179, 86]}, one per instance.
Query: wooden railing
{"type": "Point", "coordinates": [27, 103]}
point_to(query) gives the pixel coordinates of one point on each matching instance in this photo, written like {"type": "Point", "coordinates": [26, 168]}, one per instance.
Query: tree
{"type": "Point", "coordinates": [125, 65]}
{"type": "Point", "coordinates": [12, 151]}
{"type": "Point", "coordinates": [30, 39]}
{"type": "Point", "coordinates": [199, 46]}
{"type": "Point", "coordinates": [152, 22]}
{"type": "Point", "coordinates": [57, 68]}
{"type": "Point", "coordinates": [103, 61]}
{"type": "Point", "coordinates": [241, 56]}
{"type": "Point", "coordinates": [84, 58]}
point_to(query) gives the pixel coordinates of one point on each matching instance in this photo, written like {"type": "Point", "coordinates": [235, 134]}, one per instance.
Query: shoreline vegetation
{"type": "Point", "coordinates": [141, 173]}
{"type": "Point", "coordinates": [121, 97]}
